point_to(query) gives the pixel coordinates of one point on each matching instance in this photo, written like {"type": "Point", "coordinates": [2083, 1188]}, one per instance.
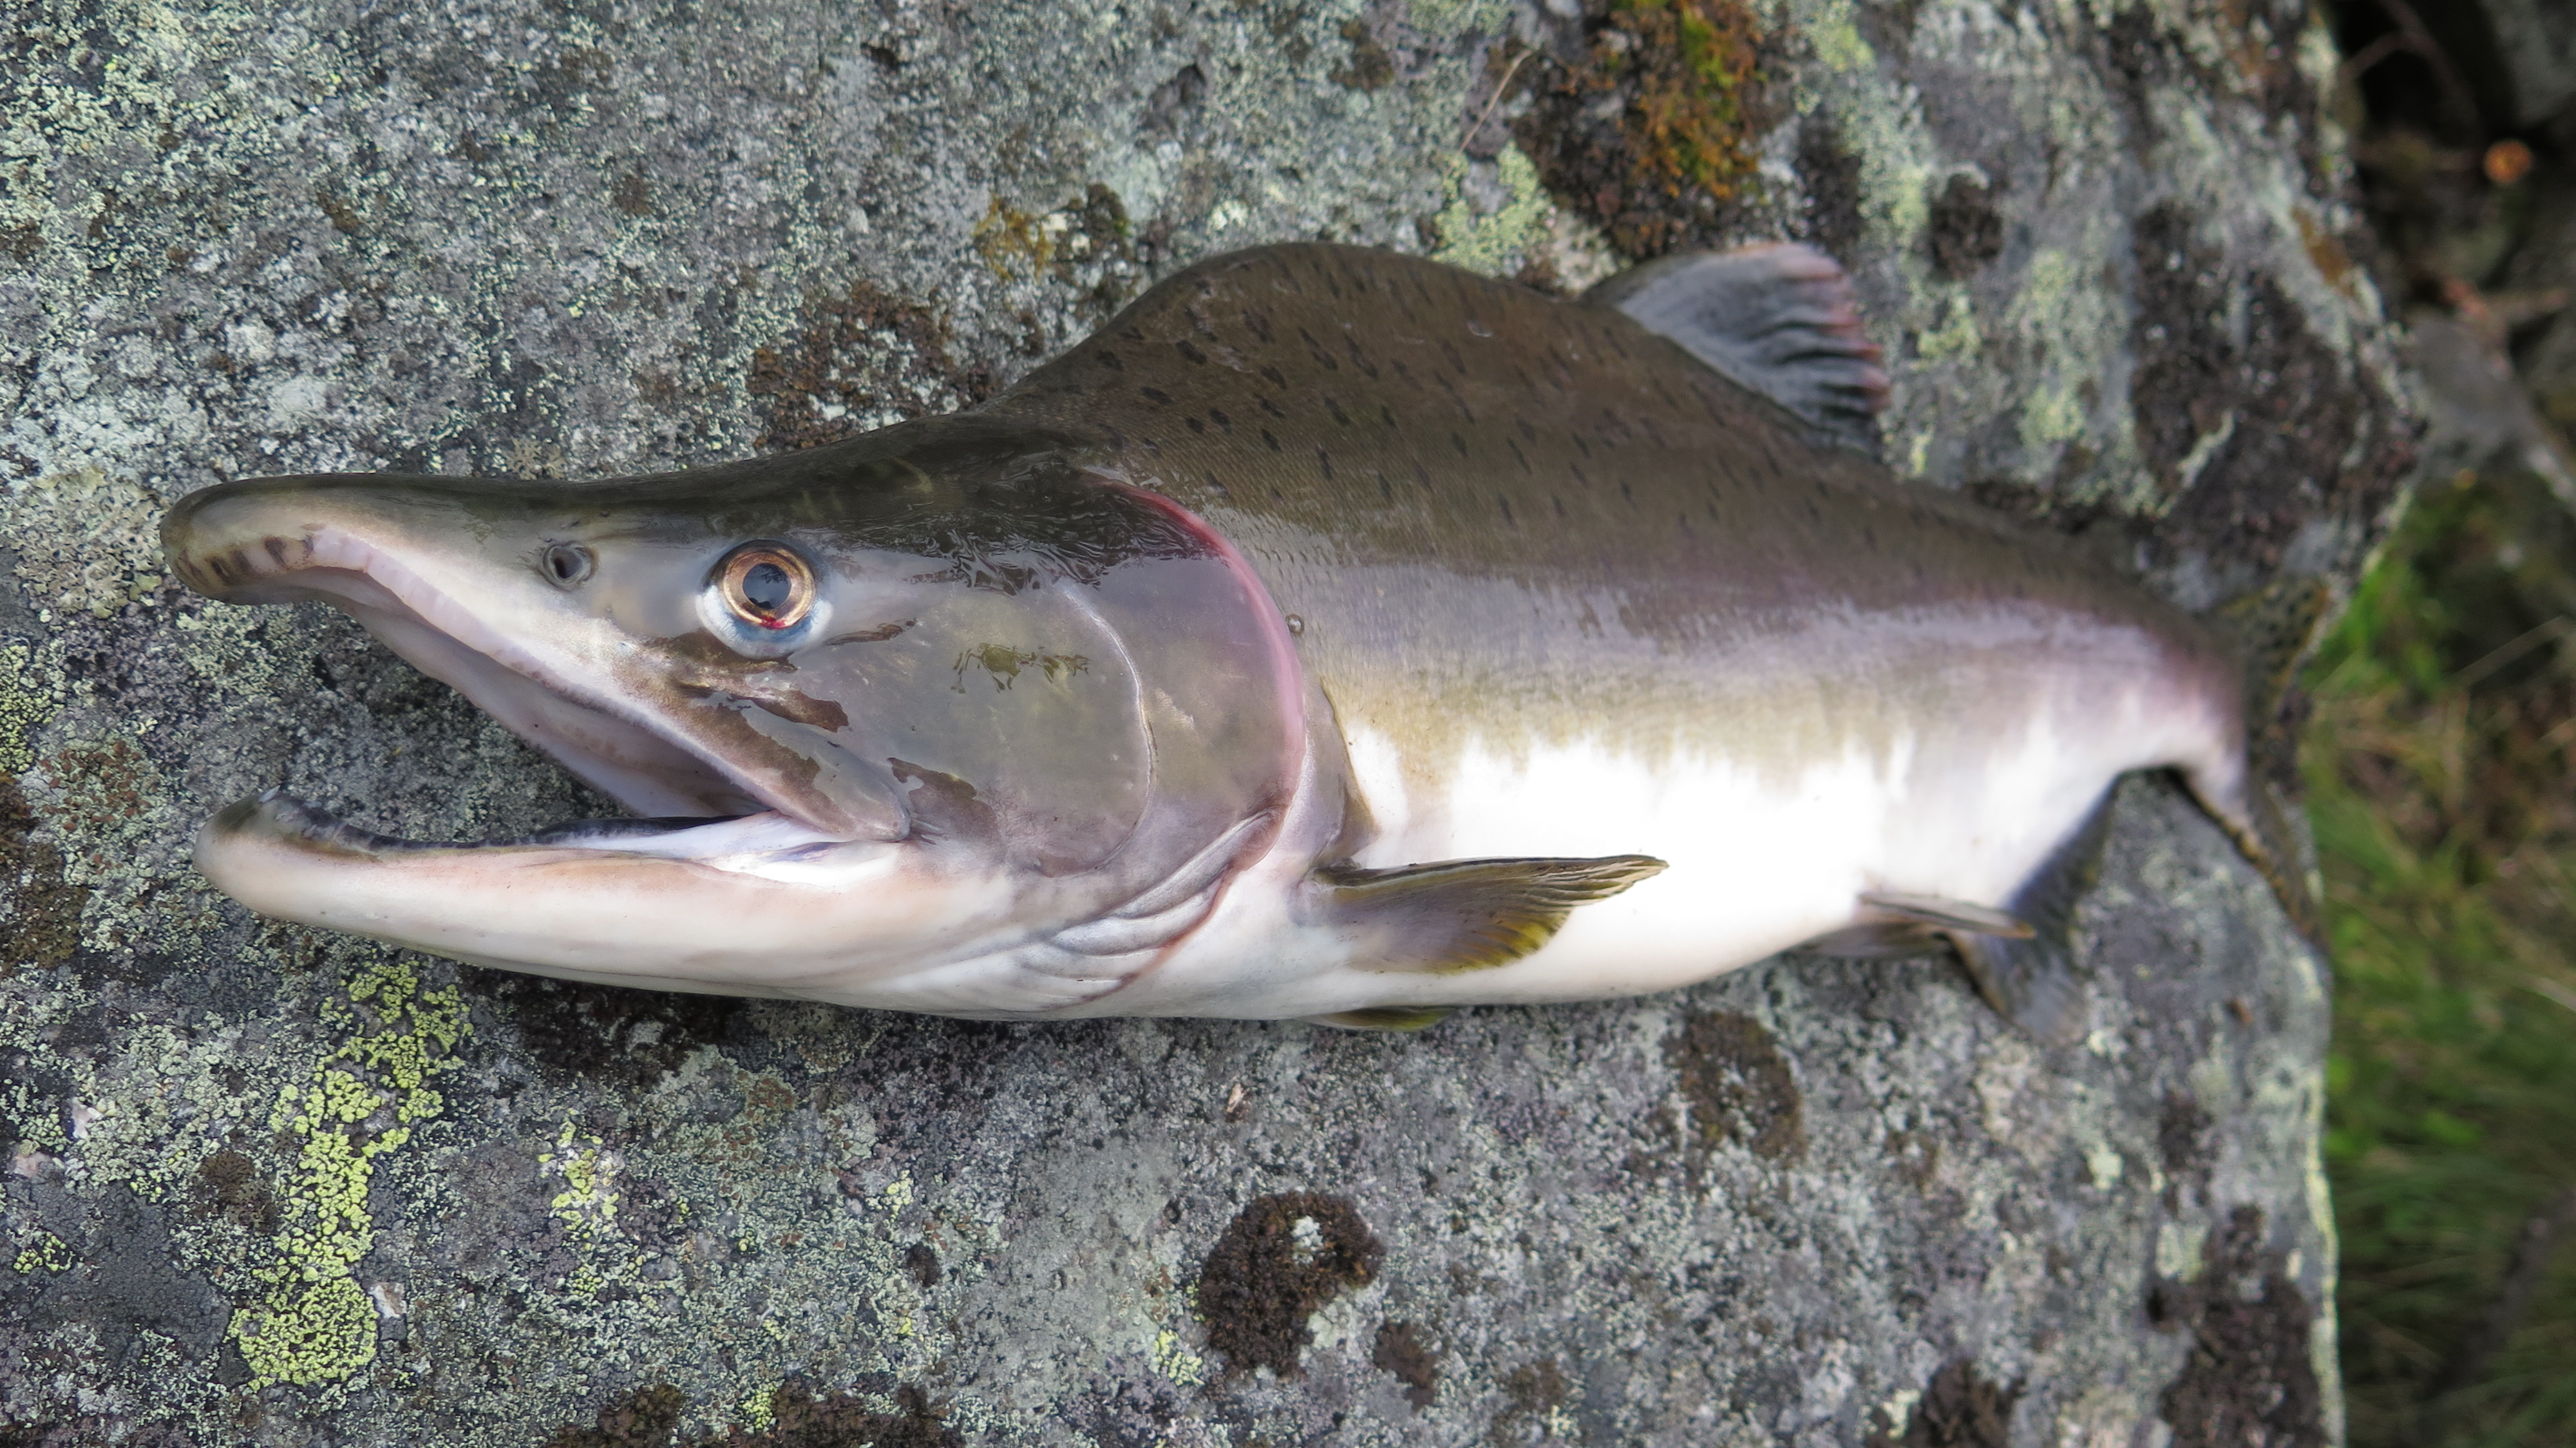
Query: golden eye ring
{"type": "Point", "coordinates": [766, 585]}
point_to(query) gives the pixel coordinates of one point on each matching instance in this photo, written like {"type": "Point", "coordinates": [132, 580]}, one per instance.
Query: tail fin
{"type": "Point", "coordinates": [2273, 629]}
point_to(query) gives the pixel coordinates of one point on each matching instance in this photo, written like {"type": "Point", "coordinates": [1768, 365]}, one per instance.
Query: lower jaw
{"type": "Point", "coordinates": [757, 905]}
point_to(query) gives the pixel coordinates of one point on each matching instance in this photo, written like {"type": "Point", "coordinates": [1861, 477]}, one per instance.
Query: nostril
{"type": "Point", "coordinates": [568, 564]}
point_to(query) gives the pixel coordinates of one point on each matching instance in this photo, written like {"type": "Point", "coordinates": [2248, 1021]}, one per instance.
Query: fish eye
{"type": "Point", "coordinates": [767, 586]}
{"type": "Point", "coordinates": [567, 564]}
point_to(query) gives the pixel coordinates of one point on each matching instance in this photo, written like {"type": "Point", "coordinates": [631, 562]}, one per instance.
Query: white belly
{"type": "Point", "coordinates": [1759, 861]}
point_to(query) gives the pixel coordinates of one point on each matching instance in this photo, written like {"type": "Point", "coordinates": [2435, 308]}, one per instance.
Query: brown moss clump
{"type": "Point", "coordinates": [1656, 168]}
{"type": "Point", "coordinates": [1281, 1258]}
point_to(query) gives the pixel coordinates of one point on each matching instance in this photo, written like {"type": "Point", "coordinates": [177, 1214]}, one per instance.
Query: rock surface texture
{"type": "Point", "coordinates": [262, 1185]}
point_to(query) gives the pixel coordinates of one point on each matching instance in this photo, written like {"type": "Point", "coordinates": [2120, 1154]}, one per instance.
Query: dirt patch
{"type": "Point", "coordinates": [2250, 1382]}
{"type": "Point", "coordinates": [1535, 1390]}
{"type": "Point", "coordinates": [645, 1418]}
{"type": "Point", "coordinates": [43, 925]}
{"type": "Point", "coordinates": [1738, 1086]}
{"type": "Point", "coordinates": [1651, 126]}
{"type": "Point", "coordinates": [1370, 67]}
{"type": "Point", "coordinates": [1282, 1257]}
{"type": "Point", "coordinates": [921, 1263]}
{"type": "Point", "coordinates": [799, 1419]}
{"type": "Point", "coordinates": [232, 1187]}
{"type": "Point", "coordinates": [1958, 1409]}
{"type": "Point", "coordinates": [858, 361]}
{"type": "Point", "coordinates": [1399, 1352]}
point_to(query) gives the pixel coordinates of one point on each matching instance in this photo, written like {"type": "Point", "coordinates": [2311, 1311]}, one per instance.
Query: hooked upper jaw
{"type": "Point", "coordinates": [491, 632]}
{"type": "Point", "coordinates": [717, 838]}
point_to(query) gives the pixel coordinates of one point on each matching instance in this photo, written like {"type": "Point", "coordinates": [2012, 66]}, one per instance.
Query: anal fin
{"type": "Point", "coordinates": [1460, 915]}
{"type": "Point", "coordinates": [1940, 914]}
{"type": "Point", "coordinates": [2035, 980]}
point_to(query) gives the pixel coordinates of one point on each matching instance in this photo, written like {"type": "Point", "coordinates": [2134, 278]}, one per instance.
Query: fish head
{"type": "Point", "coordinates": [883, 707]}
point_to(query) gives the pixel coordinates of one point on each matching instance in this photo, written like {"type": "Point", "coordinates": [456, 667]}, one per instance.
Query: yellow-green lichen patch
{"type": "Point", "coordinates": [1175, 1362]}
{"type": "Point", "coordinates": [1495, 241]}
{"type": "Point", "coordinates": [587, 1206]}
{"type": "Point", "coordinates": [46, 1253]}
{"type": "Point", "coordinates": [314, 1325]}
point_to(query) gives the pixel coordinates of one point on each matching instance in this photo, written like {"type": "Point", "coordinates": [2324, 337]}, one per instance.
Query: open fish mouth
{"type": "Point", "coordinates": [765, 838]}
{"type": "Point", "coordinates": [563, 696]}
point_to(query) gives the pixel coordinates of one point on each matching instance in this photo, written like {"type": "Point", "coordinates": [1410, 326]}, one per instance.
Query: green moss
{"type": "Point", "coordinates": [314, 1325]}
{"type": "Point", "coordinates": [2439, 783]}
{"type": "Point", "coordinates": [1688, 124]}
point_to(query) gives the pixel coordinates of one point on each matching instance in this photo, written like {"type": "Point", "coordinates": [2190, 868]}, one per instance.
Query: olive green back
{"type": "Point", "coordinates": [1496, 514]}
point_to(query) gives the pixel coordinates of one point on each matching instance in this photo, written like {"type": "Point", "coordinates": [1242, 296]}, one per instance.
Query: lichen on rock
{"type": "Point", "coordinates": [315, 1326]}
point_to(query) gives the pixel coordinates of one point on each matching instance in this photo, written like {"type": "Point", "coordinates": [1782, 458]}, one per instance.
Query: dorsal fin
{"type": "Point", "coordinates": [1776, 317]}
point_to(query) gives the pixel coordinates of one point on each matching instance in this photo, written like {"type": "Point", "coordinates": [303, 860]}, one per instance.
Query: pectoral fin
{"type": "Point", "coordinates": [1461, 915]}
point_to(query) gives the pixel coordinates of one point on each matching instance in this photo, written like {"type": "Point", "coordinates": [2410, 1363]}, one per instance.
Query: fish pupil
{"type": "Point", "coordinates": [768, 589]}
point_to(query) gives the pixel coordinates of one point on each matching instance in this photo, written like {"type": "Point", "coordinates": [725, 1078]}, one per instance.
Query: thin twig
{"type": "Point", "coordinates": [2546, 631]}
{"type": "Point", "coordinates": [1496, 99]}
{"type": "Point", "coordinates": [2412, 35]}
{"type": "Point", "coordinates": [2543, 986]}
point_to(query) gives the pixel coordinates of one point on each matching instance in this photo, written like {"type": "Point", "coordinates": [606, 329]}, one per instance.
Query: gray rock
{"type": "Point", "coordinates": [266, 1185]}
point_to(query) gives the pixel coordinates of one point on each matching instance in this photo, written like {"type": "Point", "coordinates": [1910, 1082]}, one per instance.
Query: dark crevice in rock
{"type": "Point", "coordinates": [2186, 1139]}
{"type": "Point", "coordinates": [1966, 232]}
{"type": "Point", "coordinates": [2244, 416]}
{"type": "Point", "coordinates": [575, 1031]}
{"type": "Point", "coordinates": [1831, 173]}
